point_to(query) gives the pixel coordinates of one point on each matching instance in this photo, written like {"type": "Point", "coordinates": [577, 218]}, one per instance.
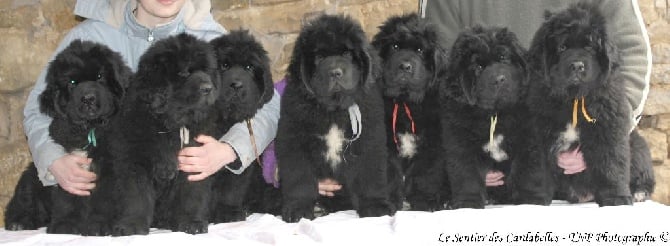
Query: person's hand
{"type": "Point", "coordinates": [572, 162]}
{"type": "Point", "coordinates": [328, 187]}
{"type": "Point", "coordinates": [206, 159]}
{"type": "Point", "coordinates": [72, 175]}
{"type": "Point", "coordinates": [494, 178]}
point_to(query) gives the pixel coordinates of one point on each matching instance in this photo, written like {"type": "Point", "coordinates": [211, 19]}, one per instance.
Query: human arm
{"type": "Point", "coordinates": [626, 30]}
{"type": "Point", "coordinates": [235, 144]}
{"type": "Point", "coordinates": [264, 125]}
{"type": "Point", "coordinates": [328, 187]}
{"type": "Point", "coordinates": [494, 178]}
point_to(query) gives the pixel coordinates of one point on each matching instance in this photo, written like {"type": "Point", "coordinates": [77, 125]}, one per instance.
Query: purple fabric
{"type": "Point", "coordinates": [269, 158]}
{"type": "Point", "coordinates": [279, 86]}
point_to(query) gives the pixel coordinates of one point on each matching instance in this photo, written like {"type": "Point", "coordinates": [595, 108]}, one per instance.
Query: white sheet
{"type": "Point", "coordinates": [624, 225]}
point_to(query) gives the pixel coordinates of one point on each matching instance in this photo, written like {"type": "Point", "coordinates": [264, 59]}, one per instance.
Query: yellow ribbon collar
{"type": "Point", "coordinates": [492, 129]}
{"type": "Point", "coordinates": [575, 106]}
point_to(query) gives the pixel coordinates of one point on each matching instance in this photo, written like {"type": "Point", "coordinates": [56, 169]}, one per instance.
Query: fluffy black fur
{"type": "Point", "coordinates": [85, 86]}
{"type": "Point", "coordinates": [244, 68]}
{"type": "Point", "coordinates": [573, 59]}
{"type": "Point", "coordinates": [30, 206]}
{"type": "Point", "coordinates": [412, 60]}
{"type": "Point", "coordinates": [642, 180]}
{"type": "Point", "coordinates": [487, 77]}
{"type": "Point", "coordinates": [332, 68]}
{"type": "Point", "coordinates": [176, 86]}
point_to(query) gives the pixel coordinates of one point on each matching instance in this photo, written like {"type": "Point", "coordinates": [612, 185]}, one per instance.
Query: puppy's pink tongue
{"type": "Point", "coordinates": [572, 161]}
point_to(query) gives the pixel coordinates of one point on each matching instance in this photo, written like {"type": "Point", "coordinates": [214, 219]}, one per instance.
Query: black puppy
{"type": "Point", "coordinates": [171, 101]}
{"type": "Point", "coordinates": [576, 106]}
{"type": "Point", "coordinates": [483, 112]}
{"type": "Point", "coordinates": [331, 123]}
{"type": "Point", "coordinates": [244, 68]}
{"type": "Point", "coordinates": [412, 59]}
{"type": "Point", "coordinates": [85, 86]}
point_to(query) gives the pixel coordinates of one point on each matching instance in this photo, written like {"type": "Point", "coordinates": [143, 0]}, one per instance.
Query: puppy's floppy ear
{"type": "Point", "coordinates": [370, 65]}
{"type": "Point", "coordinates": [149, 89]}
{"type": "Point", "coordinates": [298, 69]}
{"type": "Point", "coordinates": [538, 54]}
{"type": "Point", "coordinates": [438, 52]}
{"type": "Point", "coordinates": [50, 102]}
{"type": "Point", "coordinates": [305, 77]}
{"type": "Point", "coordinates": [120, 74]}
{"type": "Point", "coordinates": [439, 64]}
{"type": "Point", "coordinates": [457, 86]}
{"type": "Point", "coordinates": [520, 57]}
{"type": "Point", "coordinates": [158, 101]}
{"type": "Point", "coordinates": [608, 56]}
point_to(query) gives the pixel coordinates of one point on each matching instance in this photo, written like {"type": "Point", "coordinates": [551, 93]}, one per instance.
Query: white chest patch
{"type": "Point", "coordinates": [494, 149]}
{"type": "Point", "coordinates": [407, 144]}
{"type": "Point", "coordinates": [567, 138]}
{"type": "Point", "coordinates": [334, 141]}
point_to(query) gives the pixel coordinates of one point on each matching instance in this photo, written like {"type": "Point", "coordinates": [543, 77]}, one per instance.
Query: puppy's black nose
{"type": "Point", "coordinates": [406, 66]}
{"type": "Point", "coordinates": [206, 88]}
{"type": "Point", "coordinates": [577, 66]}
{"type": "Point", "coordinates": [500, 79]}
{"type": "Point", "coordinates": [336, 73]}
{"type": "Point", "coordinates": [89, 99]}
{"type": "Point", "coordinates": [236, 84]}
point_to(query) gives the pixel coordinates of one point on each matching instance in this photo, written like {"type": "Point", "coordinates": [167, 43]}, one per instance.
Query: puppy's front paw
{"type": "Point", "coordinates": [376, 209]}
{"type": "Point", "coordinates": [127, 228]}
{"type": "Point", "coordinates": [616, 201]}
{"type": "Point", "coordinates": [191, 227]}
{"type": "Point", "coordinates": [96, 229]}
{"type": "Point", "coordinates": [533, 200]}
{"type": "Point", "coordinates": [225, 214]}
{"type": "Point", "coordinates": [641, 196]}
{"type": "Point", "coordinates": [22, 224]}
{"type": "Point", "coordinates": [63, 227]}
{"type": "Point", "coordinates": [428, 205]}
{"type": "Point", "coordinates": [456, 204]}
{"type": "Point", "coordinates": [293, 214]}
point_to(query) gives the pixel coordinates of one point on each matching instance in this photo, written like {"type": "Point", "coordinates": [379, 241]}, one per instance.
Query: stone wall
{"type": "Point", "coordinates": [31, 29]}
{"type": "Point", "coordinates": [655, 125]}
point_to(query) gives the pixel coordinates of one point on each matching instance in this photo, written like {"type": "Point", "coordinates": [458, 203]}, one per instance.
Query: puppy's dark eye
{"type": "Point", "coordinates": [99, 76]}
{"type": "Point", "coordinates": [479, 68]}
{"type": "Point", "coordinates": [184, 74]}
{"type": "Point", "coordinates": [395, 47]}
{"type": "Point", "coordinates": [224, 66]}
{"type": "Point", "coordinates": [505, 59]}
{"type": "Point", "coordinates": [249, 68]}
{"type": "Point", "coordinates": [562, 48]}
{"type": "Point", "coordinates": [419, 50]}
{"type": "Point", "coordinates": [72, 84]}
